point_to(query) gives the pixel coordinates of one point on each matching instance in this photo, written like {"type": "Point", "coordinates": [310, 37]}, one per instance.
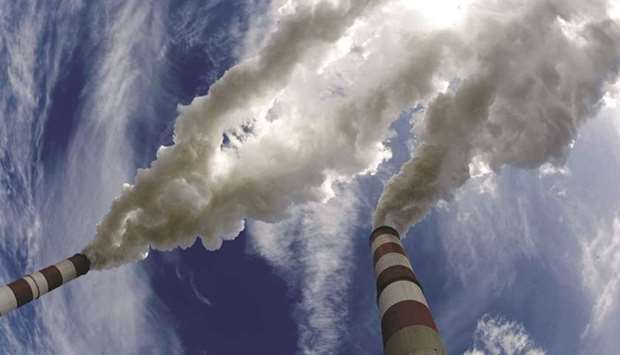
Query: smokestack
{"type": "Point", "coordinates": [406, 321]}
{"type": "Point", "coordinates": [31, 287]}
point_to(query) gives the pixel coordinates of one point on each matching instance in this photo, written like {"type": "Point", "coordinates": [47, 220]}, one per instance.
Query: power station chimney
{"type": "Point", "coordinates": [33, 286]}
{"type": "Point", "coordinates": [406, 321]}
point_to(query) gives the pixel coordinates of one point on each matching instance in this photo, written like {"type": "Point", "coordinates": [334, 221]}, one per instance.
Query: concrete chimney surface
{"type": "Point", "coordinates": [407, 323]}
{"type": "Point", "coordinates": [31, 287]}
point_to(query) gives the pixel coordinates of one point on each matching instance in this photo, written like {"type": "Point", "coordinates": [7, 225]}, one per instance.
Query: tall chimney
{"type": "Point", "coordinates": [406, 321]}
{"type": "Point", "coordinates": [33, 286]}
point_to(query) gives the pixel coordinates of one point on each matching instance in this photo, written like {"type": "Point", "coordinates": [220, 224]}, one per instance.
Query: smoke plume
{"type": "Point", "coordinates": [535, 74]}
{"type": "Point", "coordinates": [313, 106]}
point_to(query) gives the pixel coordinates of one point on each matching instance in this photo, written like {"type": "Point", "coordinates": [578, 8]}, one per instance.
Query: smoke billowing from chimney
{"type": "Point", "coordinates": [534, 75]}
{"type": "Point", "coordinates": [197, 186]}
{"type": "Point", "coordinates": [314, 106]}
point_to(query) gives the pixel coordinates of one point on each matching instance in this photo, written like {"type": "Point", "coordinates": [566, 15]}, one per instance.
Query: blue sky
{"type": "Point", "coordinates": [517, 262]}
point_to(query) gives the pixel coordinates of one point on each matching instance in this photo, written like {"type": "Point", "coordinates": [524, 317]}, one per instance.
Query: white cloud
{"type": "Point", "coordinates": [107, 312]}
{"type": "Point", "coordinates": [199, 295]}
{"type": "Point", "coordinates": [562, 222]}
{"type": "Point", "coordinates": [498, 336]}
{"type": "Point", "coordinates": [313, 251]}
{"type": "Point", "coordinates": [117, 311]}
{"type": "Point", "coordinates": [601, 276]}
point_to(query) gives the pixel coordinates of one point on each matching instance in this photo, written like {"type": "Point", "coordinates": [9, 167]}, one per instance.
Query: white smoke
{"type": "Point", "coordinates": [532, 76]}
{"type": "Point", "coordinates": [313, 105]}
{"type": "Point", "coordinates": [200, 186]}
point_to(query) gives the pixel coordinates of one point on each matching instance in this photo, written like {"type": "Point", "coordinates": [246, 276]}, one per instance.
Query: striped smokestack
{"type": "Point", "coordinates": [406, 321]}
{"type": "Point", "coordinates": [33, 286]}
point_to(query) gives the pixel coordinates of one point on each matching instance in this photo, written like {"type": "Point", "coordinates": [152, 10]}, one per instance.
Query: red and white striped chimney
{"type": "Point", "coordinates": [33, 286]}
{"type": "Point", "coordinates": [406, 321]}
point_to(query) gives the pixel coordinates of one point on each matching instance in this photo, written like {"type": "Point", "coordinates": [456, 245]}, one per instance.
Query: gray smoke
{"type": "Point", "coordinates": [533, 76]}
{"type": "Point", "coordinates": [313, 105]}
{"type": "Point", "coordinates": [183, 194]}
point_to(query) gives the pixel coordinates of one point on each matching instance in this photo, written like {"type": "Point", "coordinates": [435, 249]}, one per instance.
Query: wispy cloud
{"type": "Point", "coordinates": [498, 336]}
{"type": "Point", "coordinates": [601, 273]}
{"type": "Point", "coordinates": [201, 297]}
{"type": "Point", "coordinates": [313, 251]}
{"type": "Point", "coordinates": [550, 234]}
{"type": "Point", "coordinates": [119, 307]}
{"type": "Point", "coordinates": [115, 313]}
{"type": "Point", "coordinates": [27, 59]}
{"type": "Point", "coordinates": [600, 256]}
